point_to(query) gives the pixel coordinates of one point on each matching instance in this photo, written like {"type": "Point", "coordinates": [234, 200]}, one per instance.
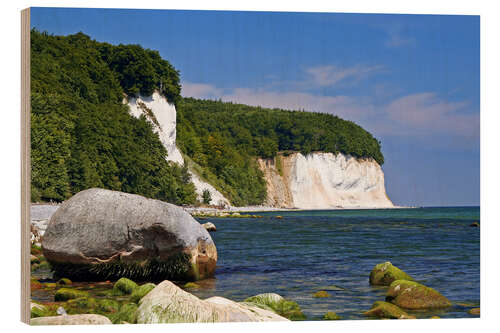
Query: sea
{"type": "Point", "coordinates": [334, 250]}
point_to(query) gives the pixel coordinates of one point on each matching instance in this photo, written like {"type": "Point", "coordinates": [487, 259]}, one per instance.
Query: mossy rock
{"type": "Point", "coordinates": [65, 294]}
{"type": "Point", "coordinates": [386, 310]}
{"type": "Point", "coordinates": [321, 294]}
{"type": "Point", "coordinates": [81, 305]}
{"type": "Point", "coordinates": [35, 284]}
{"type": "Point", "coordinates": [64, 282]}
{"type": "Point", "coordinates": [35, 250]}
{"type": "Point", "coordinates": [124, 286]}
{"type": "Point", "coordinates": [107, 305]}
{"type": "Point", "coordinates": [141, 291]}
{"type": "Point", "coordinates": [191, 285]}
{"type": "Point", "coordinates": [413, 295]}
{"type": "Point", "coordinates": [38, 310]}
{"type": "Point", "coordinates": [475, 311]}
{"type": "Point", "coordinates": [267, 299]}
{"type": "Point", "coordinates": [44, 265]}
{"type": "Point", "coordinates": [127, 313]}
{"type": "Point", "coordinates": [331, 316]}
{"type": "Point", "coordinates": [49, 285]}
{"type": "Point", "coordinates": [34, 259]}
{"type": "Point", "coordinates": [274, 302]}
{"type": "Point", "coordinates": [435, 317]}
{"type": "Point", "coordinates": [385, 273]}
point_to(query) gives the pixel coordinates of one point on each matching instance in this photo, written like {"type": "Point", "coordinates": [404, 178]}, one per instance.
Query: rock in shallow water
{"type": "Point", "coordinates": [387, 310]}
{"type": "Point", "coordinates": [475, 311]}
{"type": "Point", "coordinates": [413, 295]}
{"type": "Point", "coordinates": [209, 226]}
{"type": "Point", "coordinates": [385, 273]}
{"type": "Point", "coordinates": [276, 303]}
{"type": "Point", "coordinates": [167, 303]}
{"type": "Point", "coordinates": [102, 234]}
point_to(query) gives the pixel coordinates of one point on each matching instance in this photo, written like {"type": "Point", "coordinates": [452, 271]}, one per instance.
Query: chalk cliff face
{"type": "Point", "coordinates": [324, 180]}
{"type": "Point", "coordinates": [315, 181]}
{"type": "Point", "coordinates": [162, 115]}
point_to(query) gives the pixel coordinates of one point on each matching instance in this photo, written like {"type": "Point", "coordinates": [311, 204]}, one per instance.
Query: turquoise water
{"type": "Point", "coordinates": [308, 251]}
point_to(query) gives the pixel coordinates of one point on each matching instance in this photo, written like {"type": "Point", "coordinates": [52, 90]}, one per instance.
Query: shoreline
{"type": "Point", "coordinates": [232, 209]}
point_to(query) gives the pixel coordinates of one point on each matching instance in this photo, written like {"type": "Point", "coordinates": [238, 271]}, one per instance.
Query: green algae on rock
{"type": "Point", "coordinates": [413, 295]}
{"type": "Point", "coordinates": [277, 304]}
{"type": "Point", "coordinates": [387, 310]}
{"type": "Point", "coordinates": [385, 273]}
{"type": "Point", "coordinates": [321, 294]}
{"type": "Point", "coordinates": [38, 310]}
{"type": "Point", "coordinates": [191, 285]}
{"type": "Point", "coordinates": [167, 303]}
{"type": "Point", "coordinates": [331, 316]}
{"type": "Point", "coordinates": [65, 294]}
{"type": "Point", "coordinates": [107, 305]}
{"type": "Point", "coordinates": [124, 286]}
{"type": "Point", "coordinates": [127, 314]}
{"type": "Point", "coordinates": [81, 305]}
{"type": "Point", "coordinates": [475, 311]}
{"type": "Point", "coordinates": [64, 282]}
{"type": "Point", "coordinates": [141, 291]}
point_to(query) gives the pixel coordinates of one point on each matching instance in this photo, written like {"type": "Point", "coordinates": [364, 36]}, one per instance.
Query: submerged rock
{"type": "Point", "coordinates": [475, 224]}
{"type": "Point", "coordinates": [80, 319]}
{"type": "Point", "coordinates": [413, 295]}
{"type": "Point", "coordinates": [209, 226]}
{"type": "Point", "coordinates": [475, 311]}
{"type": "Point", "coordinates": [191, 285]}
{"type": "Point", "coordinates": [385, 273]}
{"type": "Point", "coordinates": [64, 282]}
{"type": "Point", "coordinates": [387, 310]}
{"type": "Point", "coordinates": [100, 234]}
{"type": "Point", "coordinates": [321, 294]}
{"type": "Point", "coordinates": [167, 303]}
{"type": "Point", "coordinates": [331, 316]}
{"type": "Point", "coordinates": [65, 294]}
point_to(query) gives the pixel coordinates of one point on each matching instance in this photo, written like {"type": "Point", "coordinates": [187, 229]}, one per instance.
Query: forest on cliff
{"type": "Point", "coordinates": [82, 135]}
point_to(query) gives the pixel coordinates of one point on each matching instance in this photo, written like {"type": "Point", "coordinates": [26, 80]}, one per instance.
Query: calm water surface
{"type": "Point", "coordinates": [308, 251]}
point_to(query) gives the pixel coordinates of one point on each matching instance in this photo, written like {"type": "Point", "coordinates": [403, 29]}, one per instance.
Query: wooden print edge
{"type": "Point", "coordinates": [25, 164]}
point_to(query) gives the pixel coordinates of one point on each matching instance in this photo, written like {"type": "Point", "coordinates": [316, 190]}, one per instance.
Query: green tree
{"type": "Point", "coordinates": [206, 196]}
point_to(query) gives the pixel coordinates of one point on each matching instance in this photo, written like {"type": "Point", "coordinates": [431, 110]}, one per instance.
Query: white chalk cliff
{"type": "Point", "coordinates": [163, 116]}
{"type": "Point", "coordinates": [315, 181]}
{"type": "Point", "coordinates": [324, 180]}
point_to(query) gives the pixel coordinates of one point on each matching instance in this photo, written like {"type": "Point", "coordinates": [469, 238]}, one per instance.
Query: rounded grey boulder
{"type": "Point", "coordinates": [102, 234]}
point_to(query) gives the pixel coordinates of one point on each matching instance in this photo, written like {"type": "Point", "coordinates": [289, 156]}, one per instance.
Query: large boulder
{"type": "Point", "coordinates": [413, 295]}
{"type": "Point", "coordinates": [100, 234]}
{"type": "Point", "coordinates": [79, 319]}
{"type": "Point", "coordinates": [385, 273]}
{"type": "Point", "coordinates": [167, 303]}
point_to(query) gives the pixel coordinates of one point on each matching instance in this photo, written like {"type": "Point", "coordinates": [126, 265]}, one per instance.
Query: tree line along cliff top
{"type": "Point", "coordinates": [82, 135]}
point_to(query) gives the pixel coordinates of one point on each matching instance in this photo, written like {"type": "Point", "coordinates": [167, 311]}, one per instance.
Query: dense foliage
{"type": "Point", "coordinates": [224, 139]}
{"type": "Point", "coordinates": [82, 135]}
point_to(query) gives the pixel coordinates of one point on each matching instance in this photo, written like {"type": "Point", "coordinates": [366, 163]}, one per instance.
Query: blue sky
{"type": "Point", "coordinates": [411, 80]}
